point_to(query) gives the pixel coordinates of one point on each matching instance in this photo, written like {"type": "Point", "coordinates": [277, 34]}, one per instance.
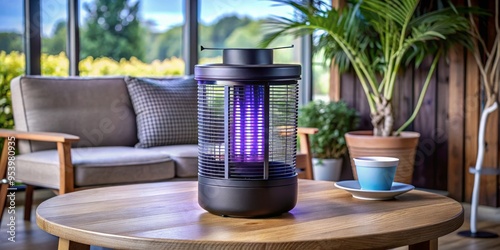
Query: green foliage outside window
{"type": "Point", "coordinates": [11, 65]}
{"type": "Point", "coordinates": [112, 24]}
{"type": "Point", "coordinates": [11, 41]}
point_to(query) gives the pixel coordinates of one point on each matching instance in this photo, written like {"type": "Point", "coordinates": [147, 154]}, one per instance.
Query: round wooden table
{"type": "Point", "coordinates": [167, 216]}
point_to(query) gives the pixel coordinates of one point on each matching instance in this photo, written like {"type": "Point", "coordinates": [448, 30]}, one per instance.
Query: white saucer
{"type": "Point", "coordinates": [353, 188]}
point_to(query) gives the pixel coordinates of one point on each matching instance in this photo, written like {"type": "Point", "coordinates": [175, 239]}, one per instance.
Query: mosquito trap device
{"type": "Point", "coordinates": [247, 134]}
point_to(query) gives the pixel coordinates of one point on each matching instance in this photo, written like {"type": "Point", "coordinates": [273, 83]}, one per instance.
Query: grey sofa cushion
{"type": "Point", "coordinates": [96, 166]}
{"type": "Point", "coordinates": [185, 157]}
{"type": "Point", "coordinates": [166, 110]}
{"type": "Point", "coordinates": [96, 109]}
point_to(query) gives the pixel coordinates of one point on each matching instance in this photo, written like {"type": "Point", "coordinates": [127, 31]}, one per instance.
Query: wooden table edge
{"type": "Point", "coordinates": [67, 241]}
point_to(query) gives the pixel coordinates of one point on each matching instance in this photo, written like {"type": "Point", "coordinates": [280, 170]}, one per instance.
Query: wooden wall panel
{"type": "Point", "coordinates": [494, 185]}
{"type": "Point", "coordinates": [334, 92]}
{"type": "Point", "coordinates": [347, 89]}
{"type": "Point", "coordinates": [425, 124]}
{"type": "Point", "coordinates": [353, 95]}
{"type": "Point", "coordinates": [403, 100]}
{"type": "Point", "coordinates": [489, 183]}
{"type": "Point", "coordinates": [455, 128]}
{"type": "Point", "coordinates": [472, 110]}
{"type": "Point", "coordinates": [362, 106]}
{"type": "Point", "coordinates": [440, 135]}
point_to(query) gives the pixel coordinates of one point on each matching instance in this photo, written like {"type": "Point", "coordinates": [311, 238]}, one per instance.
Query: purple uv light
{"type": "Point", "coordinates": [247, 132]}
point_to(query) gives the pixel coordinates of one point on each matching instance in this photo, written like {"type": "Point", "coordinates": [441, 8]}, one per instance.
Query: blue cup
{"type": "Point", "coordinates": [376, 173]}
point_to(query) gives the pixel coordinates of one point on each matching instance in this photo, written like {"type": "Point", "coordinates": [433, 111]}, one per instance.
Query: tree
{"type": "Point", "coordinates": [57, 42]}
{"type": "Point", "coordinates": [11, 41]}
{"type": "Point", "coordinates": [248, 36]}
{"type": "Point", "coordinates": [167, 45]}
{"type": "Point", "coordinates": [215, 35]}
{"type": "Point", "coordinates": [112, 29]}
{"type": "Point", "coordinates": [205, 38]}
{"type": "Point", "coordinates": [225, 26]}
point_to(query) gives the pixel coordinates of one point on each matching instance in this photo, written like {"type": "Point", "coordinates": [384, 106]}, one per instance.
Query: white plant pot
{"type": "Point", "coordinates": [327, 169]}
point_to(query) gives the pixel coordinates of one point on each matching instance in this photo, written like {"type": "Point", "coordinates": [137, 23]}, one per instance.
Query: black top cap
{"type": "Point", "coordinates": [247, 65]}
{"type": "Point", "coordinates": [247, 56]}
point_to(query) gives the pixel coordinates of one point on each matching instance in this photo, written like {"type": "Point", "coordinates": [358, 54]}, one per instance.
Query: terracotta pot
{"type": "Point", "coordinates": [363, 143]}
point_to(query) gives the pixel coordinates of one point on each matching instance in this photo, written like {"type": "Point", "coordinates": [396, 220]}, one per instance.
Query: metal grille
{"type": "Point", "coordinates": [283, 101]}
{"type": "Point", "coordinates": [211, 130]}
{"type": "Point", "coordinates": [247, 131]}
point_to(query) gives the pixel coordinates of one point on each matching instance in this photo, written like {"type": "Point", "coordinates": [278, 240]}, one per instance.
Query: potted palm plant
{"type": "Point", "coordinates": [377, 39]}
{"type": "Point", "coordinates": [328, 146]}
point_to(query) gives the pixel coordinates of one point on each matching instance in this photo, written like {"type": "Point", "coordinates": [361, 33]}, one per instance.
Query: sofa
{"type": "Point", "coordinates": [83, 132]}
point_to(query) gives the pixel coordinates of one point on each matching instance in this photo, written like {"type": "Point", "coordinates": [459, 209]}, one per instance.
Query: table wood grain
{"type": "Point", "coordinates": [167, 216]}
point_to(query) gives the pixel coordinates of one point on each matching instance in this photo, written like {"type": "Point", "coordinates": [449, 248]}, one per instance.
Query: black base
{"type": "Point", "coordinates": [247, 198]}
{"type": "Point", "coordinates": [478, 234]}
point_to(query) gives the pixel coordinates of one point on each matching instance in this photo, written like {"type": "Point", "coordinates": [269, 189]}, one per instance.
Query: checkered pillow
{"type": "Point", "coordinates": [166, 110]}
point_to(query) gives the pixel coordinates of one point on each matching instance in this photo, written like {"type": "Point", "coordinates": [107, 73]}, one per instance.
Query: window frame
{"type": "Point", "coordinates": [32, 36]}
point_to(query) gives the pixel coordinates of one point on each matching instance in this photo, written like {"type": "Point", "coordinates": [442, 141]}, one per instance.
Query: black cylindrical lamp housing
{"type": "Point", "coordinates": [247, 134]}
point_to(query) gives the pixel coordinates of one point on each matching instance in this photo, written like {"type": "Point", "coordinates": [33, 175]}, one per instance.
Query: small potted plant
{"type": "Point", "coordinates": [333, 120]}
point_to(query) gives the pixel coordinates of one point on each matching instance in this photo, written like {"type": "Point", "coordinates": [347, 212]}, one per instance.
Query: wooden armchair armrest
{"type": "Point", "coordinates": [38, 136]}
{"type": "Point", "coordinates": [305, 149]}
{"type": "Point", "coordinates": [63, 148]}
{"type": "Point", "coordinates": [308, 131]}
{"type": "Point", "coordinates": [303, 134]}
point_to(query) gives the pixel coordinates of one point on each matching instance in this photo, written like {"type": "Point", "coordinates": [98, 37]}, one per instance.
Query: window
{"type": "Point", "coordinates": [54, 20]}
{"type": "Point", "coordinates": [11, 26]}
{"type": "Point", "coordinates": [238, 24]}
{"type": "Point", "coordinates": [131, 37]}
{"type": "Point", "coordinates": [145, 37]}
{"type": "Point", "coordinates": [321, 76]}
{"type": "Point", "coordinates": [11, 54]}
